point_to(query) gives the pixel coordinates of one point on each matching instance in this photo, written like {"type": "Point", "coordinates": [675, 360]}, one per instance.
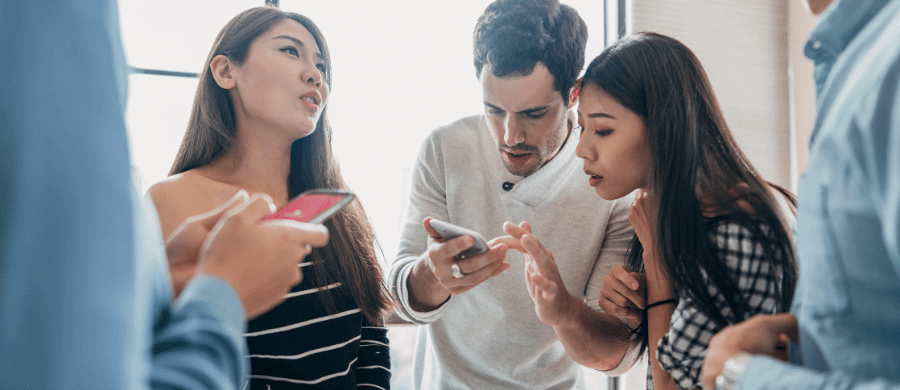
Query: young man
{"type": "Point", "coordinates": [515, 162]}
{"type": "Point", "coordinates": [847, 304]}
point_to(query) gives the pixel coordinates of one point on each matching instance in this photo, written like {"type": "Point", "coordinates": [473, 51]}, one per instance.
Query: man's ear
{"type": "Point", "coordinates": [573, 94]}
{"type": "Point", "coordinates": [221, 68]}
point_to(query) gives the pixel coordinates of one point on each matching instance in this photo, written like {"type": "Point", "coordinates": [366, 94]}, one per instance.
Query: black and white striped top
{"type": "Point", "coordinates": [298, 345]}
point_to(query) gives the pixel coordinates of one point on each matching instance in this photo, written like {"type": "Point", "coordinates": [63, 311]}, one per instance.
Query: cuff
{"type": "Point", "coordinates": [764, 372]}
{"type": "Point", "coordinates": [217, 298]}
{"type": "Point", "coordinates": [420, 318]}
{"type": "Point", "coordinates": [632, 354]}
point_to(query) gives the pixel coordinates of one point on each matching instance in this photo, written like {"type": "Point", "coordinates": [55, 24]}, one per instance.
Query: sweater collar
{"type": "Point", "coordinates": [535, 188]}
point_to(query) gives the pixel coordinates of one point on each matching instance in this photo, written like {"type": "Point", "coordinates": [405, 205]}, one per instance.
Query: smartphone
{"type": "Point", "coordinates": [449, 231]}
{"type": "Point", "coordinates": [313, 206]}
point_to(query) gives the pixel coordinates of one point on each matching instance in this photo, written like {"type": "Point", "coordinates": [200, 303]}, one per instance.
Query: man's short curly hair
{"type": "Point", "coordinates": [513, 35]}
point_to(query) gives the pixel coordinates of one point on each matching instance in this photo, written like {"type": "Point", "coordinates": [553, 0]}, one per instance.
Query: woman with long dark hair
{"type": "Point", "coordinates": [712, 240]}
{"type": "Point", "coordinates": [259, 123]}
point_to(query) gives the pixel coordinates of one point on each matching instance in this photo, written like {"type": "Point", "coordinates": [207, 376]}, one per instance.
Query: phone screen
{"type": "Point", "coordinates": [313, 206]}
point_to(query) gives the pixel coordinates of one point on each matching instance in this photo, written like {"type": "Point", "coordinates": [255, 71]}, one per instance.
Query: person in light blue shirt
{"type": "Point", "coordinates": [847, 306]}
{"type": "Point", "coordinates": [85, 295]}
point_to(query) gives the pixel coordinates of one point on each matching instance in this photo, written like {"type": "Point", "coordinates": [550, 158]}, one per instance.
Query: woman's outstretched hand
{"type": "Point", "coordinates": [552, 302]}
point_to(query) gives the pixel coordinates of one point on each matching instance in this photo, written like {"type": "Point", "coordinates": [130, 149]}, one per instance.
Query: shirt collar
{"type": "Point", "coordinates": [839, 24]}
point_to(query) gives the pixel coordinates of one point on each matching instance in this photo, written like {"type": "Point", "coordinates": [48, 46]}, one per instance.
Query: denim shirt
{"type": "Point", "coordinates": [85, 294]}
{"type": "Point", "coordinates": [848, 235]}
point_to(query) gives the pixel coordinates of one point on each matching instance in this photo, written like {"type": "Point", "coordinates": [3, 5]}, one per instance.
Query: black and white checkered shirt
{"type": "Point", "coordinates": [682, 349]}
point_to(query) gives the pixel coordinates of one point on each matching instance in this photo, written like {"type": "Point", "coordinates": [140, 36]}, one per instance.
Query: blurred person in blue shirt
{"type": "Point", "coordinates": [846, 314]}
{"type": "Point", "coordinates": [85, 294]}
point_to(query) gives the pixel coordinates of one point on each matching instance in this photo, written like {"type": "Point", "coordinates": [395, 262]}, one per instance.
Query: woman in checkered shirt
{"type": "Point", "coordinates": [712, 240]}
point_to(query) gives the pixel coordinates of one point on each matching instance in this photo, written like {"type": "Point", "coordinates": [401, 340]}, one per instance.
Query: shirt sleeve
{"type": "Point", "coordinates": [682, 349]}
{"type": "Point", "coordinates": [427, 198]}
{"type": "Point", "coordinates": [373, 369]}
{"type": "Point", "coordinates": [198, 343]}
{"type": "Point", "coordinates": [616, 242]}
{"type": "Point", "coordinates": [762, 372]}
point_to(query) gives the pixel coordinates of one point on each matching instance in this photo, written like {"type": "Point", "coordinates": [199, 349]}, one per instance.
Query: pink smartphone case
{"type": "Point", "coordinates": [305, 208]}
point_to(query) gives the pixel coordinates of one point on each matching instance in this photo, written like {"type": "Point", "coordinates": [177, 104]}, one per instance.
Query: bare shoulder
{"type": "Point", "coordinates": [181, 196]}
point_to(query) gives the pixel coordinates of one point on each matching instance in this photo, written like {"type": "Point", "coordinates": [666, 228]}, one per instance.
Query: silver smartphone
{"type": "Point", "coordinates": [450, 231]}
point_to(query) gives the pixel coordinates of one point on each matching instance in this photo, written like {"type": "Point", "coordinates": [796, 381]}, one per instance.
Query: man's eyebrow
{"type": "Point", "coordinates": [533, 110]}
{"type": "Point", "coordinates": [528, 111]}
{"type": "Point", "coordinates": [298, 42]}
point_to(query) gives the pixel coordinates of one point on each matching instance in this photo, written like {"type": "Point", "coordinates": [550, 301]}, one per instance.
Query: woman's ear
{"type": "Point", "coordinates": [221, 68]}
{"type": "Point", "coordinates": [573, 95]}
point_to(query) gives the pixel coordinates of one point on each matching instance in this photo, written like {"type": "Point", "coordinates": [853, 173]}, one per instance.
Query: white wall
{"type": "Point", "coordinates": [803, 90]}
{"type": "Point", "coordinates": [743, 45]}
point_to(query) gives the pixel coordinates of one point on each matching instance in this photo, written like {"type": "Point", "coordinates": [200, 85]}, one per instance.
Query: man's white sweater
{"type": "Point", "coordinates": [490, 337]}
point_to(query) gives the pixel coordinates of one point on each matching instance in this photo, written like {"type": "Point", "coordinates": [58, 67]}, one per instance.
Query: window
{"type": "Point", "coordinates": [401, 69]}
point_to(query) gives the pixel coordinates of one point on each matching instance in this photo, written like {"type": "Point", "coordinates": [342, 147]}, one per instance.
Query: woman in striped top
{"type": "Point", "coordinates": [258, 123]}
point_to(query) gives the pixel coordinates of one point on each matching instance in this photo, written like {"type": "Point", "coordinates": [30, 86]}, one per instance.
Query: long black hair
{"type": "Point", "coordinates": [693, 153]}
{"type": "Point", "coordinates": [350, 255]}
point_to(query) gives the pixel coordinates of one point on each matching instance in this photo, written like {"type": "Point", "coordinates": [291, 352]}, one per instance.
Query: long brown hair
{"type": "Point", "coordinates": [693, 153]}
{"type": "Point", "coordinates": [350, 256]}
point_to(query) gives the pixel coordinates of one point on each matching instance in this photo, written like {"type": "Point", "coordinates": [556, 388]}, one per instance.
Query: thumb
{"type": "Point", "coordinates": [210, 218]}
{"type": "Point", "coordinates": [258, 206]}
{"type": "Point", "coordinates": [430, 230]}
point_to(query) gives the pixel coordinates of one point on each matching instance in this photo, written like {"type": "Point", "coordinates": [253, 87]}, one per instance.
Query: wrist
{"type": "Point", "coordinates": [211, 267]}
{"type": "Point", "coordinates": [659, 283]}
{"type": "Point", "coordinates": [671, 301]}
{"type": "Point", "coordinates": [571, 312]}
{"type": "Point", "coordinates": [732, 370]}
{"type": "Point", "coordinates": [426, 292]}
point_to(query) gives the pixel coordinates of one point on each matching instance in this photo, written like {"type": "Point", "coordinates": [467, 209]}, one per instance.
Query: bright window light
{"type": "Point", "coordinates": [401, 69]}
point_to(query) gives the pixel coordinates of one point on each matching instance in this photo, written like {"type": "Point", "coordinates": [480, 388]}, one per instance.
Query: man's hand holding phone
{"type": "Point", "coordinates": [450, 266]}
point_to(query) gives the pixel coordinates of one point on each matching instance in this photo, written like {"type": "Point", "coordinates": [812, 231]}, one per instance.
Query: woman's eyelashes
{"type": "Point", "coordinates": [291, 50]}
